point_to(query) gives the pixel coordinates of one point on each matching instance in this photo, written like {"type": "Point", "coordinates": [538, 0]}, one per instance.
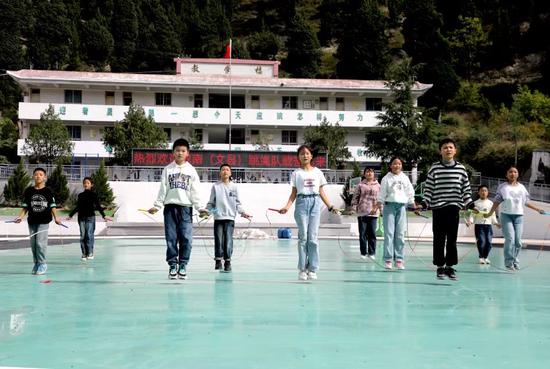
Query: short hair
{"type": "Point", "coordinates": [482, 186]}
{"type": "Point", "coordinates": [225, 165]}
{"type": "Point", "coordinates": [304, 146]}
{"type": "Point", "coordinates": [88, 179]}
{"type": "Point", "coordinates": [180, 142]}
{"type": "Point", "coordinates": [396, 158]}
{"type": "Point", "coordinates": [446, 141]}
{"type": "Point", "coordinates": [367, 169]}
{"type": "Point", "coordinates": [39, 169]}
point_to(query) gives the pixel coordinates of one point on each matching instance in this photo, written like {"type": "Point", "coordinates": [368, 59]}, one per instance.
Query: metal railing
{"type": "Point", "coordinates": [537, 191]}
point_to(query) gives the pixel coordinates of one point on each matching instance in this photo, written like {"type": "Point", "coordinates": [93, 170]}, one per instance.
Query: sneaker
{"type": "Point", "coordinates": [487, 261]}
{"type": "Point", "coordinates": [399, 265]}
{"type": "Point", "coordinates": [440, 272]}
{"type": "Point", "coordinates": [83, 257]}
{"type": "Point", "coordinates": [91, 256]}
{"type": "Point", "coordinates": [302, 275]}
{"type": "Point", "coordinates": [516, 266]}
{"type": "Point", "coordinates": [312, 275]}
{"type": "Point", "coordinates": [41, 269]}
{"type": "Point", "coordinates": [364, 257]}
{"type": "Point", "coordinates": [482, 261]}
{"type": "Point", "coordinates": [387, 264]}
{"type": "Point", "coordinates": [173, 272]}
{"type": "Point", "coordinates": [182, 272]}
{"type": "Point", "coordinates": [227, 266]}
{"type": "Point", "coordinates": [218, 265]}
{"type": "Point", "coordinates": [34, 268]}
{"type": "Point", "coordinates": [450, 271]}
{"type": "Point", "coordinates": [510, 268]}
{"type": "Point", "coordinates": [371, 257]}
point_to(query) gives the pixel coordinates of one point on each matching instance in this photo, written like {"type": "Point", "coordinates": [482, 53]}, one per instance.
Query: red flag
{"type": "Point", "coordinates": [227, 51]}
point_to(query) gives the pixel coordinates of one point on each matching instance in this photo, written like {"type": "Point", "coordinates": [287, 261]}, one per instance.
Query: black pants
{"type": "Point", "coordinates": [367, 234]}
{"type": "Point", "coordinates": [445, 230]}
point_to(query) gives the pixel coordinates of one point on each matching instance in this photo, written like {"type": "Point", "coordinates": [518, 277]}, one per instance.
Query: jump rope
{"type": "Point", "coordinates": [15, 239]}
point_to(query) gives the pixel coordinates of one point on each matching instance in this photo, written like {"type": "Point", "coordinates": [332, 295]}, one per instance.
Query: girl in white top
{"type": "Point", "coordinates": [483, 227]}
{"type": "Point", "coordinates": [513, 196]}
{"type": "Point", "coordinates": [307, 189]}
{"type": "Point", "coordinates": [396, 191]}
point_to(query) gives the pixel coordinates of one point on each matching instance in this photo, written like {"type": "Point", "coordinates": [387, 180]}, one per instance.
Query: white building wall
{"type": "Point", "coordinates": [91, 97]}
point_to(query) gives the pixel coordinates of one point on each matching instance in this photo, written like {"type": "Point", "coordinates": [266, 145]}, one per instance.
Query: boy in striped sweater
{"type": "Point", "coordinates": [446, 192]}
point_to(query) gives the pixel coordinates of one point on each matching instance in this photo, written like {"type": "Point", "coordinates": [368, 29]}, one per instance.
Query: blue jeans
{"type": "Point", "coordinates": [484, 239]}
{"type": "Point", "coordinates": [87, 230]}
{"type": "Point", "coordinates": [512, 230]}
{"type": "Point", "coordinates": [307, 214]}
{"type": "Point", "coordinates": [395, 223]}
{"type": "Point", "coordinates": [367, 234]}
{"type": "Point", "coordinates": [178, 230]}
{"type": "Point", "coordinates": [223, 238]}
{"type": "Point", "coordinates": [39, 242]}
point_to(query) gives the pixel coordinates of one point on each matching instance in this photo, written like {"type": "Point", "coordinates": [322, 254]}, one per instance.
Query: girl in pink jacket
{"type": "Point", "coordinates": [366, 206]}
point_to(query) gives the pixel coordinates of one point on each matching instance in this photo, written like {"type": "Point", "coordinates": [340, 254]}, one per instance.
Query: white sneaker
{"type": "Point", "coordinates": [487, 261]}
{"type": "Point", "coordinates": [91, 257]}
{"type": "Point", "coordinates": [371, 257]}
{"type": "Point", "coordinates": [364, 257]}
{"type": "Point", "coordinates": [312, 275]}
{"type": "Point", "coordinates": [481, 261]}
{"type": "Point", "coordinates": [388, 264]}
{"type": "Point", "coordinates": [302, 276]}
{"type": "Point", "coordinates": [83, 258]}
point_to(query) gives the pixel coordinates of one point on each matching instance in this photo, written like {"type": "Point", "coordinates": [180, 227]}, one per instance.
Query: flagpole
{"type": "Point", "coordinates": [230, 71]}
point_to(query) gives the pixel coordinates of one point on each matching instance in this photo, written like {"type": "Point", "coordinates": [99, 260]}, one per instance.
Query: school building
{"type": "Point", "coordinates": [195, 102]}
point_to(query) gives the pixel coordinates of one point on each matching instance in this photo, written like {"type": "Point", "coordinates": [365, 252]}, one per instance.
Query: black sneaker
{"type": "Point", "coordinates": [173, 272]}
{"type": "Point", "coordinates": [440, 272]}
{"type": "Point", "coordinates": [227, 266]}
{"type": "Point", "coordinates": [451, 273]}
{"type": "Point", "coordinates": [218, 265]}
{"type": "Point", "coordinates": [182, 272]}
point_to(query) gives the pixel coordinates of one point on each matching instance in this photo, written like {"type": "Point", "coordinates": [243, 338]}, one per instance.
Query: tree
{"type": "Point", "coordinates": [135, 131]}
{"type": "Point", "coordinates": [263, 45]}
{"type": "Point", "coordinates": [304, 54]}
{"type": "Point", "coordinates": [124, 28]}
{"type": "Point", "coordinates": [102, 187]}
{"type": "Point", "coordinates": [8, 140]}
{"type": "Point", "coordinates": [15, 188]}
{"type": "Point", "coordinates": [330, 139]}
{"type": "Point", "coordinates": [57, 182]}
{"type": "Point", "coordinates": [403, 130]}
{"type": "Point", "coordinates": [49, 140]}
{"type": "Point", "coordinates": [363, 49]}
{"type": "Point", "coordinates": [97, 43]}
{"type": "Point", "coordinates": [467, 42]}
{"type": "Point", "coordinates": [332, 20]}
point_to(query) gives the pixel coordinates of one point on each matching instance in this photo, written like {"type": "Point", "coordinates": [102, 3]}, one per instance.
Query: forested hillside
{"type": "Point", "coordinates": [477, 53]}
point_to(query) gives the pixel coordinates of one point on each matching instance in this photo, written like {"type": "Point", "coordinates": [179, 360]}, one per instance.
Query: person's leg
{"type": "Point", "coordinates": [509, 236]}
{"type": "Point", "coordinates": [399, 236]}
{"type": "Point", "coordinates": [439, 236]}
{"type": "Point", "coordinates": [218, 239]}
{"type": "Point", "coordinates": [452, 221]}
{"type": "Point", "coordinates": [171, 235]}
{"type": "Point", "coordinates": [228, 230]}
{"type": "Point", "coordinates": [312, 233]}
{"type": "Point", "coordinates": [41, 247]}
{"type": "Point", "coordinates": [83, 246]}
{"type": "Point", "coordinates": [185, 234]}
{"type": "Point", "coordinates": [301, 217]}
{"type": "Point", "coordinates": [90, 230]}
{"type": "Point", "coordinates": [389, 232]}
{"type": "Point", "coordinates": [33, 228]}
{"type": "Point", "coordinates": [488, 241]}
{"type": "Point", "coordinates": [362, 227]}
{"type": "Point", "coordinates": [371, 223]}
{"type": "Point", "coordinates": [480, 240]}
{"type": "Point", "coordinates": [518, 227]}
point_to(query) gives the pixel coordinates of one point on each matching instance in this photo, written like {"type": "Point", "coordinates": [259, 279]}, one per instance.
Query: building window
{"type": "Point", "coordinates": [126, 98]}
{"type": "Point", "coordinates": [289, 137]}
{"type": "Point", "coordinates": [197, 134]}
{"type": "Point", "coordinates": [198, 101]}
{"type": "Point", "coordinates": [163, 98]}
{"type": "Point", "coordinates": [323, 103]}
{"type": "Point", "coordinates": [168, 132]}
{"type": "Point", "coordinates": [290, 102]}
{"type": "Point", "coordinates": [109, 98]}
{"type": "Point", "coordinates": [75, 132]}
{"type": "Point", "coordinates": [373, 104]}
{"type": "Point", "coordinates": [35, 95]}
{"type": "Point", "coordinates": [340, 104]}
{"type": "Point", "coordinates": [73, 96]}
{"type": "Point", "coordinates": [255, 102]}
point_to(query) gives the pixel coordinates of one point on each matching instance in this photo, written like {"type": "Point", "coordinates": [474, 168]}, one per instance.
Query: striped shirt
{"type": "Point", "coordinates": [447, 185]}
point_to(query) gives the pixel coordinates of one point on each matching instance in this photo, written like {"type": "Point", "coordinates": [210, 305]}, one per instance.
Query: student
{"type": "Point", "coordinates": [224, 203]}
{"type": "Point", "coordinates": [307, 189]}
{"type": "Point", "coordinates": [365, 204]}
{"type": "Point", "coordinates": [39, 203]}
{"type": "Point", "coordinates": [178, 193]}
{"type": "Point", "coordinates": [513, 196]}
{"type": "Point", "coordinates": [396, 191]}
{"type": "Point", "coordinates": [86, 205]}
{"type": "Point", "coordinates": [446, 192]}
{"type": "Point", "coordinates": [483, 227]}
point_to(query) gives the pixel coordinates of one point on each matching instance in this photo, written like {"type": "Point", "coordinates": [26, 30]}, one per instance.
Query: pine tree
{"type": "Point", "coordinates": [97, 42]}
{"type": "Point", "coordinates": [15, 188]}
{"type": "Point", "coordinates": [363, 48]}
{"type": "Point", "coordinates": [304, 54]}
{"type": "Point", "coordinates": [330, 139]}
{"type": "Point", "coordinates": [57, 182]}
{"type": "Point", "coordinates": [263, 45]}
{"type": "Point", "coordinates": [102, 187]}
{"type": "Point", "coordinates": [124, 28]}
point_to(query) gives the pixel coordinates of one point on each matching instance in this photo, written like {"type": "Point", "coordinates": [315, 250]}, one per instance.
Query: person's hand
{"type": "Point", "coordinates": [203, 213]}
{"type": "Point", "coordinates": [153, 210]}
{"type": "Point", "coordinates": [58, 221]}
{"type": "Point", "coordinates": [18, 220]}
{"type": "Point", "coordinates": [542, 211]}
{"type": "Point", "coordinates": [333, 210]}
{"type": "Point", "coordinates": [487, 215]}
{"type": "Point", "coordinates": [468, 223]}
{"type": "Point", "coordinates": [244, 215]}
{"type": "Point", "coordinates": [68, 218]}
{"type": "Point", "coordinates": [498, 225]}
{"type": "Point", "coordinates": [108, 219]}
{"type": "Point", "coordinates": [283, 210]}
{"type": "Point", "coordinates": [474, 210]}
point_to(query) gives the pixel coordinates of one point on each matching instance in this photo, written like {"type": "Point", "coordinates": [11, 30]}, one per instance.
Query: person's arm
{"type": "Point", "coordinates": [382, 193]}
{"type": "Point", "coordinates": [496, 203]}
{"type": "Point", "coordinates": [55, 217]}
{"type": "Point", "coordinates": [532, 206]}
{"type": "Point", "coordinates": [75, 210]}
{"type": "Point", "coordinates": [240, 209]}
{"type": "Point", "coordinates": [211, 205]}
{"type": "Point", "coordinates": [429, 186]}
{"type": "Point", "coordinates": [356, 196]}
{"type": "Point", "coordinates": [324, 197]}
{"type": "Point", "coordinates": [21, 215]}
{"type": "Point", "coordinates": [159, 203]}
{"type": "Point", "coordinates": [291, 199]}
